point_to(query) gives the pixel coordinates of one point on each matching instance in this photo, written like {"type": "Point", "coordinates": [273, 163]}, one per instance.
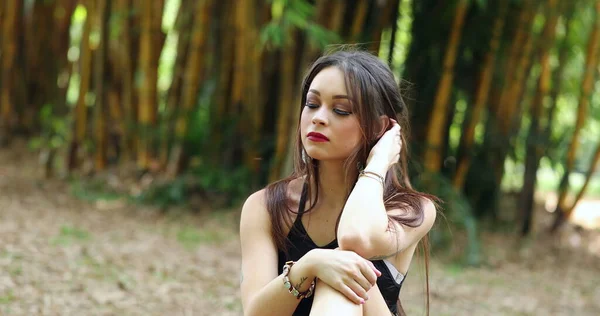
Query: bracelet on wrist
{"type": "Point", "coordinates": [291, 289]}
{"type": "Point", "coordinates": [372, 175]}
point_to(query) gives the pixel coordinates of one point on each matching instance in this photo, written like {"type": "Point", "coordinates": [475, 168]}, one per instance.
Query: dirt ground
{"type": "Point", "coordinates": [64, 256]}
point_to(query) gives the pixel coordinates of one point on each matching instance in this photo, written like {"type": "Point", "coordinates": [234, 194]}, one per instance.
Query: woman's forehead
{"type": "Point", "coordinates": [329, 81]}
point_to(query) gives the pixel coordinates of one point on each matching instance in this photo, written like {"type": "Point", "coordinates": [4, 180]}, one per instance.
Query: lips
{"type": "Point", "coordinates": [317, 137]}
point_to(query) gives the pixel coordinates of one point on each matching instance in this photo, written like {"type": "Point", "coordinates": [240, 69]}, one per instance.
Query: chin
{"type": "Point", "coordinates": [321, 156]}
{"type": "Point", "coordinates": [315, 154]}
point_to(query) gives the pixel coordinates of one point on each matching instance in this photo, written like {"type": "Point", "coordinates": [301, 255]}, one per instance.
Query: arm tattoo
{"type": "Point", "coordinates": [299, 284]}
{"type": "Point", "coordinates": [382, 257]}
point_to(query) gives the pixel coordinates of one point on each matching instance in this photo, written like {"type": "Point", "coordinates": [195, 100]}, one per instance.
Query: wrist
{"type": "Point", "coordinates": [308, 263]}
{"type": "Point", "coordinates": [378, 166]}
{"type": "Point", "coordinates": [302, 273]}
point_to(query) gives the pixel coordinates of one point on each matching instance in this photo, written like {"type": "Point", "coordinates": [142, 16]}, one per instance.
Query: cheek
{"type": "Point", "coordinates": [304, 120]}
{"type": "Point", "coordinates": [352, 135]}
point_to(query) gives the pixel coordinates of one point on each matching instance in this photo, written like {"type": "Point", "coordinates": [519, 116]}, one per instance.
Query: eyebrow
{"type": "Point", "coordinates": [339, 96]}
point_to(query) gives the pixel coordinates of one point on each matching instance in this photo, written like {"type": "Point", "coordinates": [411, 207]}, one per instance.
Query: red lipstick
{"type": "Point", "coordinates": [317, 137]}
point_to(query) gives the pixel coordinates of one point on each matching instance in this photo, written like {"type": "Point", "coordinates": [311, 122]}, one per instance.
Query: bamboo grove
{"type": "Point", "coordinates": [215, 88]}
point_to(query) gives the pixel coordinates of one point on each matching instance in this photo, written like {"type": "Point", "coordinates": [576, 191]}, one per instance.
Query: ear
{"type": "Point", "coordinates": [384, 125]}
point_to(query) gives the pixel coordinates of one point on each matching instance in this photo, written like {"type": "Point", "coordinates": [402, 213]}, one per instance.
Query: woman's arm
{"type": "Point", "coordinates": [364, 225]}
{"type": "Point", "coordinates": [262, 290]}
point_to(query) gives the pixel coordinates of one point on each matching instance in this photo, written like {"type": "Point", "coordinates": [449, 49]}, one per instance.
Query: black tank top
{"type": "Point", "coordinates": [299, 243]}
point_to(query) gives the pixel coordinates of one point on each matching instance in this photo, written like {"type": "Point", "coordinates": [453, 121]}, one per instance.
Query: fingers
{"type": "Point", "coordinates": [370, 273]}
{"type": "Point", "coordinates": [364, 284]}
{"type": "Point", "coordinates": [350, 293]}
{"type": "Point", "coordinates": [372, 266]}
{"type": "Point", "coordinates": [358, 289]}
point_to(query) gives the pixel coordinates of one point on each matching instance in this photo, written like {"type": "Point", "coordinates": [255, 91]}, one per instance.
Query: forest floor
{"type": "Point", "coordinates": [60, 255]}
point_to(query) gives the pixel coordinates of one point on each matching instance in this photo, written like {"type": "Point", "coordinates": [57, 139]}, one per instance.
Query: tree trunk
{"type": "Point", "coordinates": [151, 42]}
{"type": "Point", "coordinates": [225, 54]}
{"type": "Point", "coordinates": [394, 21]}
{"type": "Point", "coordinates": [284, 110]}
{"type": "Point", "coordinates": [126, 87]}
{"type": "Point", "coordinates": [183, 25]}
{"type": "Point", "coordinates": [239, 82]}
{"type": "Point", "coordinates": [255, 102]}
{"type": "Point", "coordinates": [85, 71]}
{"type": "Point", "coordinates": [358, 23]}
{"type": "Point", "coordinates": [591, 63]}
{"type": "Point", "coordinates": [337, 16]}
{"type": "Point", "coordinates": [8, 51]}
{"type": "Point", "coordinates": [193, 76]}
{"type": "Point", "coordinates": [594, 162]}
{"type": "Point", "coordinates": [100, 24]}
{"type": "Point", "coordinates": [534, 136]}
{"type": "Point", "coordinates": [382, 14]}
{"type": "Point", "coordinates": [433, 155]}
{"type": "Point", "coordinates": [481, 96]}
{"type": "Point", "coordinates": [519, 65]}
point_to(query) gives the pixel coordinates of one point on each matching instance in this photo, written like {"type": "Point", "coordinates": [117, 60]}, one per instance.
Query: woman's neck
{"type": "Point", "coordinates": [333, 184]}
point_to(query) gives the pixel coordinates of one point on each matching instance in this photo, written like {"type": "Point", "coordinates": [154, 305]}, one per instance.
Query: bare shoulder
{"type": "Point", "coordinates": [255, 215]}
{"type": "Point", "coordinates": [255, 199]}
{"type": "Point", "coordinates": [429, 213]}
{"type": "Point", "coordinates": [254, 212]}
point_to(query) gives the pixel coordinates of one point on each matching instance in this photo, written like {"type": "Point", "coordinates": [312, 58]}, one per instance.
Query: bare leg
{"type": "Point", "coordinates": [330, 302]}
{"type": "Point", "coordinates": [376, 305]}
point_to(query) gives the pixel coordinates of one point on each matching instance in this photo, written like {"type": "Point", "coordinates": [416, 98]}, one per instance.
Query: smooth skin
{"type": "Point", "coordinates": [346, 278]}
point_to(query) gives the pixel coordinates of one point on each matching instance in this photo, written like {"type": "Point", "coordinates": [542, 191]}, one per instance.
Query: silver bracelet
{"type": "Point", "coordinates": [372, 175]}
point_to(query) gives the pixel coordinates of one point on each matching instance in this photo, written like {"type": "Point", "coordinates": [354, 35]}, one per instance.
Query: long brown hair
{"type": "Point", "coordinates": [372, 85]}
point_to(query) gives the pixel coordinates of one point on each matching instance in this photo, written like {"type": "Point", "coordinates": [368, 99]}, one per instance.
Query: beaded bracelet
{"type": "Point", "coordinates": [288, 285]}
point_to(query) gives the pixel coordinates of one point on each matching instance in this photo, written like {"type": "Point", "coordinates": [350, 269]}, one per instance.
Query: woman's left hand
{"type": "Point", "coordinates": [387, 150]}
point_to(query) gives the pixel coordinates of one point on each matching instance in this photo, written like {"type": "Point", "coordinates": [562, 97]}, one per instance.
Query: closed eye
{"type": "Point", "coordinates": [341, 112]}
{"type": "Point", "coordinates": [336, 111]}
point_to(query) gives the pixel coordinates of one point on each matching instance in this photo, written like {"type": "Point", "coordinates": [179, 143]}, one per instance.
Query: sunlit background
{"type": "Point", "coordinates": [131, 132]}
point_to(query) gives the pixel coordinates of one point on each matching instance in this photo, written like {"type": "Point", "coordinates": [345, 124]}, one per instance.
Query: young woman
{"type": "Point", "coordinates": [338, 235]}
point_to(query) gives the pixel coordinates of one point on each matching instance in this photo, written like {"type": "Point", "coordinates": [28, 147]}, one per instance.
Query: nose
{"type": "Point", "coordinates": [320, 116]}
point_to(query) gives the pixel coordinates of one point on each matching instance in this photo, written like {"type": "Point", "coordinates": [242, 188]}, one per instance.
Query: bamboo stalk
{"type": "Point", "coordinates": [8, 54]}
{"type": "Point", "coordinates": [284, 111]}
{"type": "Point", "coordinates": [359, 20]}
{"type": "Point", "coordinates": [255, 103]}
{"type": "Point", "coordinates": [481, 96]}
{"type": "Point", "coordinates": [85, 71]}
{"type": "Point", "coordinates": [126, 84]}
{"type": "Point", "coordinates": [517, 64]}
{"type": "Point", "coordinates": [100, 108]}
{"type": "Point", "coordinates": [534, 135]}
{"type": "Point", "coordinates": [385, 14]}
{"type": "Point", "coordinates": [588, 177]}
{"type": "Point", "coordinates": [435, 133]}
{"type": "Point", "coordinates": [151, 41]}
{"type": "Point", "coordinates": [183, 25]}
{"type": "Point", "coordinates": [225, 53]}
{"type": "Point", "coordinates": [590, 70]}
{"type": "Point", "coordinates": [193, 76]}
{"type": "Point", "coordinates": [511, 62]}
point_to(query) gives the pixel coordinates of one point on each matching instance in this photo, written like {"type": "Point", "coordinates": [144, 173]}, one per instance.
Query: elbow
{"type": "Point", "coordinates": [360, 244]}
{"type": "Point", "coordinates": [251, 312]}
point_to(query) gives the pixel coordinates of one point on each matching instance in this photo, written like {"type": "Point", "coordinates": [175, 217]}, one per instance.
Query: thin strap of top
{"type": "Point", "coordinates": [302, 201]}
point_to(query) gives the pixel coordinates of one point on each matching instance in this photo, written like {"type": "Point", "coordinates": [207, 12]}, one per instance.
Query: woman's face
{"type": "Point", "coordinates": [329, 129]}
